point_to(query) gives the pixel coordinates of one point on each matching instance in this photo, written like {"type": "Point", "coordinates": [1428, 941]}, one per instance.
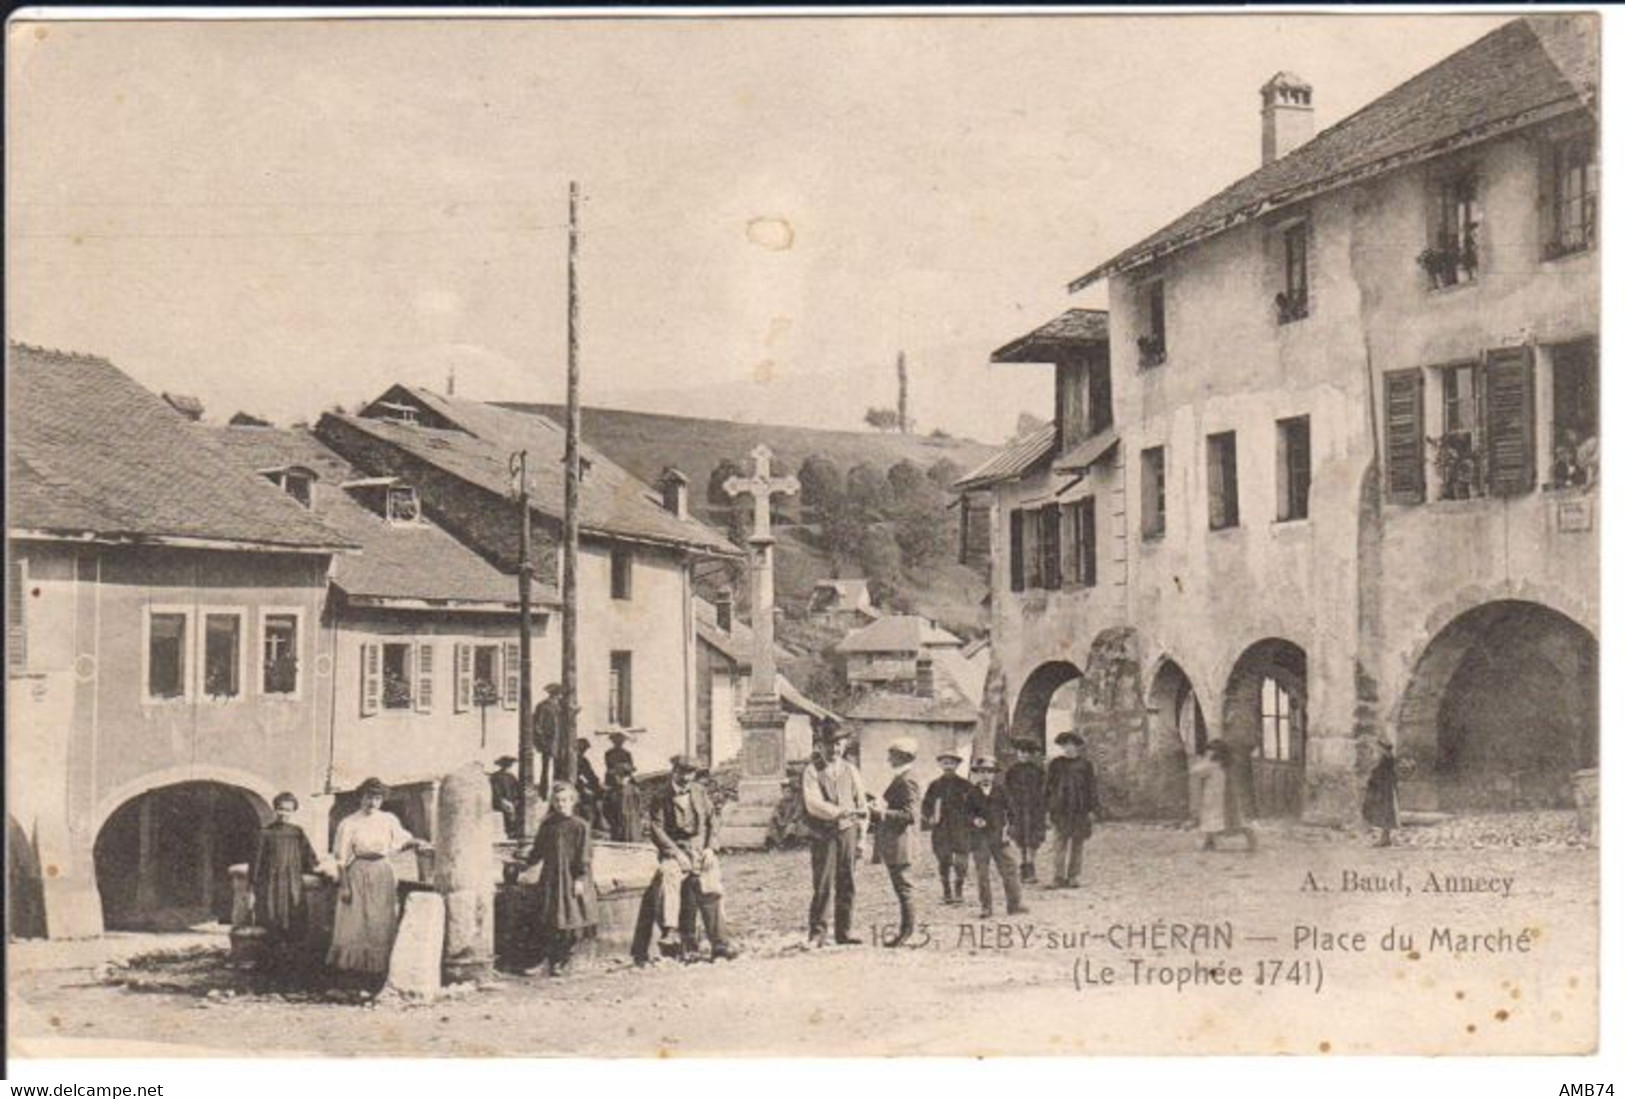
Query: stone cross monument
{"type": "Point", "coordinates": [762, 724]}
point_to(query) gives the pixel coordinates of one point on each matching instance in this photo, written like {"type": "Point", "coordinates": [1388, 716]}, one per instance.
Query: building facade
{"type": "Point", "coordinates": [1325, 473]}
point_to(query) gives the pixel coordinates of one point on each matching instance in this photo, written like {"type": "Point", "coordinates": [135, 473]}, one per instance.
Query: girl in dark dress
{"type": "Point", "coordinates": [1381, 807]}
{"type": "Point", "coordinates": [567, 912]}
{"type": "Point", "coordinates": [276, 872]}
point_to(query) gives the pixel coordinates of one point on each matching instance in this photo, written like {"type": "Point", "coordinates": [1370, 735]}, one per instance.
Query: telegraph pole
{"type": "Point", "coordinates": [566, 750]}
{"type": "Point", "coordinates": [526, 774]}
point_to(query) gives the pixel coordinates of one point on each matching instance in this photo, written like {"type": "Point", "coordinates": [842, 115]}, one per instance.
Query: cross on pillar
{"type": "Point", "coordinates": [762, 486]}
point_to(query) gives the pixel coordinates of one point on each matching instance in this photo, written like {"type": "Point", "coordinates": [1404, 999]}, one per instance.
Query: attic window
{"type": "Point", "coordinates": [295, 481]}
{"type": "Point", "coordinates": [401, 504]}
{"type": "Point", "coordinates": [397, 412]}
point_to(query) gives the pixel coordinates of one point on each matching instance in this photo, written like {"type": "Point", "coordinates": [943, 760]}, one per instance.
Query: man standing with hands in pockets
{"type": "Point", "coordinates": [832, 792]}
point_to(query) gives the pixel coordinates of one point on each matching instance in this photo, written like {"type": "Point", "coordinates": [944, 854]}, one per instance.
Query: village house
{"type": "Point", "coordinates": [1325, 471]}
{"type": "Point", "coordinates": [636, 646]}
{"type": "Point", "coordinates": [167, 670]}
{"type": "Point", "coordinates": [892, 652]}
{"type": "Point", "coordinates": [424, 633]}
{"type": "Point", "coordinates": [841, 603]}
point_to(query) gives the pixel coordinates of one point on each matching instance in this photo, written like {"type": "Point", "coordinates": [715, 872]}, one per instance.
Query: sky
{"type": "Point", "coordinates": [283, 216]}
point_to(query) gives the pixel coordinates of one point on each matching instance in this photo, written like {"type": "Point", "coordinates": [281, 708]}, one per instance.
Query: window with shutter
{"type": "Point", "coordinates": [1018, 554]}
{"type": "Point", "coordinates": [1223, 504]}
{"type": "Point", "coordinates": [1071, 564]}
{"type": "Point", "coordinates": [1153, 493]}
{"type": "Point", "coordinates": [425, 692]}
{"type": "Point", "coordinates": [1509, 421]}
{"type": "Point", "coordinates": [462, 697]}
{"type": "Point", "coordinates": [510, 675]}
{"type": "Point", "coordinates": [372, 677]}
{"type": "Point", "coordinates": [1402, 435]}
{"type": "Point", "coordinates": [1049, 538]}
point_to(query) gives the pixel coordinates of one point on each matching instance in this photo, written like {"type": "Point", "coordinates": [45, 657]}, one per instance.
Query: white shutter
{"type": "Point", "coordinates": [425, 679]}
{"type": "Point", "coordinates": [510, 675]}
{"type": "Point", "coordinates": [372, 679]}
{"type": "Point", "coordinates": [463, 665]}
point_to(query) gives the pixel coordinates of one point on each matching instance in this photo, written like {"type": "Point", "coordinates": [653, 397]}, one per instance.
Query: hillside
{"type": "Point", "coordinates": [645, 443]}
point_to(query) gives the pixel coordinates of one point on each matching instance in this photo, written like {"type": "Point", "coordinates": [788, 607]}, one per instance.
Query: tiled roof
{"type": "Point", "coordinates": [895, 633]}
{"type": "Point", "coordinates": [93, 454]}
{"type": "Point", "coordinates": [1013, 461]}
{"type": "Point", "coordinates": [398, 561]}
{"type": "Point", "coordinates": [737, 644]}
{"type": "Point", "coordinates": [613, 502]}
{"type": "Point", "coordinates": [1045, 344]}
{"type": "Point", "coordinates": [1534, 67]}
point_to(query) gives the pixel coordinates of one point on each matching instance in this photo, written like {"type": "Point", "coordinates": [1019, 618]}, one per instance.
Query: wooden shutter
{"type": "Point", "coordinates": [510, 675]}
{"type": "Point", "coordinates": [1402, 434]}
{"type": "Point", "coordinates": [372, 677]}
{"type": "Point", "coordinates": [1509, 421]}
{"type": "Point", "coordinates": [17, 614]}
{"type": "Point", "coordinates": [1071, 565]}
{"type": "Point", "coordinates": [423, 700]}
{"type": "Point", "coordinates": [1086, 539]}
{"type": "Point", "coordinates": [1018, 553]}
{"type": "Point", "coordinates": [462, 694]}
{"type": "Point", "coordinates": [1049, 539]}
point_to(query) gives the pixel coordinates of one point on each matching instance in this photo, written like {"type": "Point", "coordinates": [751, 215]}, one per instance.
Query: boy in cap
{"type": "Point", "coordinates": [989, 809]}
{"type": "Point", "coordinates": [896, 818]}
{"type": "Point", "coordinates": [1069, 790]}
{"type": "Point", "coordinates": [944, 814]}
{"type": "Point", "coordinates": [1024, 789]}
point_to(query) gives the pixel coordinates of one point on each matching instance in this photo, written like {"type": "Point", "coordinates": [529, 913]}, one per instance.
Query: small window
{"type": "Point", "coordinates": [1281, 718]}
{"type": "Point", "coordinates": [1080, 528]}
{"type": "Point", "coordinates": [280, 654]}
{"type": "Point", "coordinates": [166, 654]}
{"type": "Point", "coordinates": [222, 655]}
{"type": "Point", "coordinates": [1571, 172]}
{"type": "Point", "coordinates": [1292, 471]}
{"type": "Point", "coordinates": [1154, 337]}
{"type": "Point", "coordinates": [1153, 493]}
{"type": "Point", "coordinates": [1574, 414]}
{"type": "Point", "coordinates": [402, 504]}
{"type": "Point", "coordinates": [620, 689]}
{"type": "Point", "coordinates": [620, 573]}
{"type": "Point", "coordinates": [1292, 303]}
{"type": "Point", "coordinates": [397, 676]}
{"type": "Point", "coordinates": [487, 675]}
{"type": "Point", "coordinates": [1456, 457]}
{"type": "Point", "coordinates": [298, 485]}
{"type": "Point", "coordinates": [1224, 507]}
{"type": "Point", "coordinates": [1451, 257]}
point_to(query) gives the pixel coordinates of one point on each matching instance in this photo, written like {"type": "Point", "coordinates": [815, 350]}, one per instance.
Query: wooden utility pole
{"type": "Point", "coordinates": [902, 393]}
{"type": "Point", "coordinates": [527, 784]}
{"type": "Point", "coordinates": [566, 747]}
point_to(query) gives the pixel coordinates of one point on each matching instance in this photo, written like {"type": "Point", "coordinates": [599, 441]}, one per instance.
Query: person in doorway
{"type": "Point", "coordinates": [277, 867]}
{"type": "Point", "coordinates": [1069, 794]}
{"type": "Point", "coordinates": [589, 791]}
{"type": "Point", "coordinates": [896, 819]}
{"type": "Point", "coordinates": [1024, 789]}
{"type": "Point", "coordinates": [683, 826]}
{"type": "Point", "coordinates": [505, 793]}
{"type": "Point", "coordinates": [988, 807]}
{"type": "Point", "coordinates": [365, 919]}
{"type": "Point", "coordinates": [568, 907]}
{"type": "Point", "coordinates": [944, 814]}
{"type": "Point", "coordinates": [832, 798]}
{"type": "Point", "coordinates": [1381, 806]}
{"type": "Point", "coordinates": [1214, 800]}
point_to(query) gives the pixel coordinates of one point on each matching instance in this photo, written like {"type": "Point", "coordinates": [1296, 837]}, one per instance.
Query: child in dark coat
{"type": "Point", "coordinates": [281, 858]}
{"type": "Point", "coordinates": [568, 908]}
{"type": "Point", "coordinates": [989, 808]}
{"type": "Point", "coordinates": [944, 815]}
{"type": "Point", "coordinates": [1024, 787]}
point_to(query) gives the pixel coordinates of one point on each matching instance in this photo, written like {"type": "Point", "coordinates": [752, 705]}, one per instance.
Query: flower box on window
{"type": "Point", "coordinates": [1291, 307]}
{"type": "Point", "coordinates": [1153, 351]}
{"type": "Point", "coordinates": [1458, 464]}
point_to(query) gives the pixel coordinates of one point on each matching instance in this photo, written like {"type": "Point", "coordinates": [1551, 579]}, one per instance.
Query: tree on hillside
{"type": "Point", "coordinates": [866, 488]}
{"type": "Point", "coordinates": [881, 419]}
{"type": "Point", "coordinates": [715, 494]}
{"type": "Point", "coordinates": [821, 481]}
{"type": "Point", "coordinates": [907, 483]}
{"type": "Point", "coordinates": [925, 534]}
{"type": "Point", "coordinates": [843, 526]}
{"type": "Point", "coordinates": [944, 472]}
{"type": "Point", "coordinates": [880, 559]}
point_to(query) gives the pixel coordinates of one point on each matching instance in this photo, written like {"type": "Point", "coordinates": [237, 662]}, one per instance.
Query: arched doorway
{"type": "Point", "coordinates": [1500, 711]}
{"type": "Point", "coordinates": [1047, 702]}
{"type": "Point", "coordinates": [1176, 712]}
{"type": "Point", "coordinates": [162, 858]}
{"type": "Point", "coordinates": [1266, 719]}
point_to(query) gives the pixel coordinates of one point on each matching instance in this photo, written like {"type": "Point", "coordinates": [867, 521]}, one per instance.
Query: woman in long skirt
{"type": "Point", "coordinates": [364, 921]}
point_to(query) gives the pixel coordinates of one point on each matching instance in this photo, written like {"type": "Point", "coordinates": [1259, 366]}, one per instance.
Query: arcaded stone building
{"type": "Point", "coordinates": [1325, 470]}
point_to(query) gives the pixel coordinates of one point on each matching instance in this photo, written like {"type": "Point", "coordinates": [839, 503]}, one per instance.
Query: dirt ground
{"type": "Point", "coordinates": [1235, 952]}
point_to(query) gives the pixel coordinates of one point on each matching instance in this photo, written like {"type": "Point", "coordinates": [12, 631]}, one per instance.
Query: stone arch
{"type": "Point", "coordinates": [25, 884]}
{"type": "Point", "coordinates": [1271, 731]}
{"type": "Point", "coordinates": [162, 855]}
{"type": "Point", "coordinates": [260, 791]}
{"type": "Point", "coordinates": [1028, 718]}
{"type": "Point", "coordinates": [1499, 709]}
{"type": "Point", "coordinates": [1175, 706]}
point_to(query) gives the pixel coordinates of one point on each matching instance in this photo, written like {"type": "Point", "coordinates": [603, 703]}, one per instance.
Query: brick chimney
{"type": "Point", "coordinates": [673, 487]}
{"type": "Point", "coordinates": [725, 611]}
{"type": "Point", "coordinates": [1288, 112]}
{"type": "Point", "coordinates": [925, 677]}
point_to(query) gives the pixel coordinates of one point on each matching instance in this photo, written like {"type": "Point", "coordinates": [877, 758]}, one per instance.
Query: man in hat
{"type": "Point", "coordinates": [943, 813]}
{"type": "Point", "coordinates": [589, 791]}
{"type": "Point", "coordinates": [1024, 789]}
{"type": "Point", "coordinates": [1069, 790]}
{"type": "Point", "coordinates": [832, 794]}
{"type": "Point", "coordinates": [896, 818]}
{"type": "Point", "coordinates": [623, 812]}
{"type": "Point", "coordinates": [546, 726]}
{"type": "Point", "coordinates": [683, 826]}
{"type": "Point", "coordinates": [505, 793]}
{"type": "Point", "coordinates": [989, 809]}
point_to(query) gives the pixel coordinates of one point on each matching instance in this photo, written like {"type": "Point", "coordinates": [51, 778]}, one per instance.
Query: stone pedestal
{"type": "Point", "coordinates": [747, 823]}
{"type": "Point", "coordinates": [414, 962]}
{"type": "Point", "coordinates": [465, 873]}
